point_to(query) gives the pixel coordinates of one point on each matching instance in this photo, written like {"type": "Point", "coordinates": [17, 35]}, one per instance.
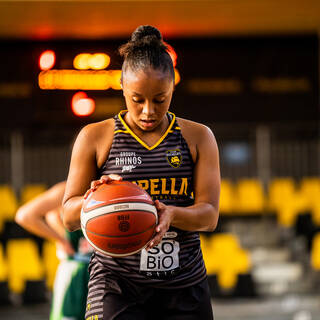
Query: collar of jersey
{"type": "Point", "coordinates": [121, 113]}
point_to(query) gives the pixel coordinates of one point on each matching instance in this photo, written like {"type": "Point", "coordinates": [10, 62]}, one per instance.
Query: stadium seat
{"type": "Point", "coordinates": [287, 201]}
{"type": "Point", "coordinates": [316, 213]}
{"type": "Point", "coordinates": [9, 204]}
{"type": "Point", "coordinates": [50, 262]}
{"type": "Point", "coordinates": [315, 252]}
{"type": "Point", "coordinates": [250, 198]}
{"type": "Point", "coordinates": [225, 258]}
{"type": "Point", "coordinates": [3, 266]}
{"type": "Point", "coordinates": [226, 197]}
{"type": "Point", "coordinates": [280, 191]}
{"type": "Point", "coordinates": [310, 190]}
{"type": "Point", "coordinates": [30, 191]}
{"type": "Point", "coordinates": [4, 289]}
{"type": "Point", "coordinates": [23, 263]}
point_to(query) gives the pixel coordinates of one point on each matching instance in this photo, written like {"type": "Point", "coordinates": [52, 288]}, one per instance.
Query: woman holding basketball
{"type": "Point", "coordinates": [177, 162]}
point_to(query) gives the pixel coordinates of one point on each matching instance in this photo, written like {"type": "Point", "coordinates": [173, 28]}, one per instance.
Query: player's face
{"type": "Point", "coordinates": [148, 95]}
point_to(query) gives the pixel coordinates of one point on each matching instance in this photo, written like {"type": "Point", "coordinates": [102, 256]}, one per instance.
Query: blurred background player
{"type": "Point", "coordinates": [42, 216]}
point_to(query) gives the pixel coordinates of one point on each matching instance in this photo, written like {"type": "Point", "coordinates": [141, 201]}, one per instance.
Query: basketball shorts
{"type": "Point", "coordinates": [70, 291]}
{"type": "Point", "coordinates": [113, 298]}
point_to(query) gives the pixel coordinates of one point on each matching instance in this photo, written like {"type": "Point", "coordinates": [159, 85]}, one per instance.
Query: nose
{"type": "Point", "coordinates": [148, 108]}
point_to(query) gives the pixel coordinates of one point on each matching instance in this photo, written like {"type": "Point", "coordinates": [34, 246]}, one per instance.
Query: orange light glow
{"type": "Point", "coordinates": [47, 60]}
{"type": "Point", "coordinates": [172, 54]}
{"type": "Point", "coordinates": [96, 61]}
{"type": "Point", "coordinates": [177, 77]}
{"type": "Point", "coordinates": [66, 79]}
{"type": "Point", "coordinates": [81, 105]}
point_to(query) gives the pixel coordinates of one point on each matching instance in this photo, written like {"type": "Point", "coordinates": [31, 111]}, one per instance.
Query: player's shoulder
{"type": "Point", "coordinates": [97, 129]}
{"type": "Point", "coordinates": [192, 128]}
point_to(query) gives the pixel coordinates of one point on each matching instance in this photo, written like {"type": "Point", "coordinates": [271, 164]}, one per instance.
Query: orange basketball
{"type": "Point", "coordinates": [119, 218]}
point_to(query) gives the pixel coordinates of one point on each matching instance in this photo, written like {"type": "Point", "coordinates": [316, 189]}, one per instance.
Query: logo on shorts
{"type": "Point", "coordinates": [174, 158]}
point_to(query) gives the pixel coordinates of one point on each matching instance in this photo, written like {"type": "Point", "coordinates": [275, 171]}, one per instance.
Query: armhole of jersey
{"type": "Point", "coordinates": [99, 169]}
{"type": "Point", "coordinates": [182, 129]}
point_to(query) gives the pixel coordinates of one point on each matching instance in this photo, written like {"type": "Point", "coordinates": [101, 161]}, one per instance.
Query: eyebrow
{"type": "Point", "coordinates": [158, 94]}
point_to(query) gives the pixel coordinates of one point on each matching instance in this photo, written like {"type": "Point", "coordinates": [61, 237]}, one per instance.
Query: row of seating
{"type": "Point", "coordinates": [20, 261]}
{"type": "Point", "coordinates": [284, 197]}
{"type": "Point", "coordinates": [224, 257]}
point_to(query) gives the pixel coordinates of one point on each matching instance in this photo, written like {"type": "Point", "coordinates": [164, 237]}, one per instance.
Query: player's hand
{"type": "Point", "coordinates": [104, 179]}
{"type": "Point", "coordinates": [165, 216]}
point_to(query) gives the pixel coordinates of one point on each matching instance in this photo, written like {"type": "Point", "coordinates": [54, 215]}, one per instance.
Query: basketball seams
{"type": "Point", "coordinates": [110, 208]}
{"type": "Point", "coordinates": [121, 236]}
{"type": "Point", "coordinates": [119, 255]}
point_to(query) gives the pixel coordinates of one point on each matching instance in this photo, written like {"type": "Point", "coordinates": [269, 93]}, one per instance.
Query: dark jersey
{"type": "Point", "coordinates": [165, 171]}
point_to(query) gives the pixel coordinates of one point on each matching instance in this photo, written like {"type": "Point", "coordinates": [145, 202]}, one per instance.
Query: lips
{"type": "Point", "coordinates": [148, 123]}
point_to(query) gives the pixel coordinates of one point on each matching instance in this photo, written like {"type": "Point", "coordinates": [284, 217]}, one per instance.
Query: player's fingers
{"type": "Point", "coordinates": [159, 206]}
{"type": "Point", "coordinates": [115, 177]}
{"type": "Point", "coordinates": [87, 194]}
{"type": "Point", "coordinates": [155, 241]}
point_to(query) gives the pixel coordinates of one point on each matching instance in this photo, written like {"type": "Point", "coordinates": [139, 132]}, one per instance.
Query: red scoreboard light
{"type": "Point", "coordinates": [47, 60]}
{"type": "Point", "coordinates": [81, 105]}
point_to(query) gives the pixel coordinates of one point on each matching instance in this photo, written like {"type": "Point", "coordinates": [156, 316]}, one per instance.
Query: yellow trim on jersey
{"type": "Point", "coordinates": [178, 128]}
{"type": "Point", "coordinates": [123, 131]}
{"type": "Point", "coordinates": [138, 139]}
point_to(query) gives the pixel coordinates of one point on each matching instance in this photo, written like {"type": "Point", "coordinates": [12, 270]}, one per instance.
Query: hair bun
{"type": "Point", "coordinates": [145, 31]}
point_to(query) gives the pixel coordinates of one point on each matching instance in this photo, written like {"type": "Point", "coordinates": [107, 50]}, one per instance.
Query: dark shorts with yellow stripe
{"type": "Point", "coordinates": [114, 298]}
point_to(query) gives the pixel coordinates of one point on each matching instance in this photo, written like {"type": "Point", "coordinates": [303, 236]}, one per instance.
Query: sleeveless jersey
{"type": "Point", "coordinates": [165, 171]}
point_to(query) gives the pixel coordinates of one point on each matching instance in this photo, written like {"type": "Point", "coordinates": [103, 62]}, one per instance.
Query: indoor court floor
{"type": "Point", "coordinates": [290, 307]}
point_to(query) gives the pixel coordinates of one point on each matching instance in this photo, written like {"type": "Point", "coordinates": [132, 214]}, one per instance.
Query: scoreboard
{"type": "Point", "coordinates": [219, 80]}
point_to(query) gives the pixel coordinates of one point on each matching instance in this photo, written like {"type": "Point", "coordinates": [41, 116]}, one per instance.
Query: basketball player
{"type": "Point", "coordinates": [177, 162]}
{"type": "Point", "coordinates": [42, 216]}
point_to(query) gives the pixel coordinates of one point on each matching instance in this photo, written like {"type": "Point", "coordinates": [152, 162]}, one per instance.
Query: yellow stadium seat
{"type": "Point", "coordinates": [9, 204]}
{"type": "Point", "coordinates": [315, 252]}
{"type": "Point", "coordinates": [289, 209]}
{"type": "Point", "coordinates": [280, 191]}
{"type": "Point", "coordinates": [250, 196]}
{"type": "Point", "coordinates": [224, 257]}
{"type": "Point", "coordinates": [23, 263]}
{"type": "Point", "coordinates": [310, 190]}
{"type": "Point", "coordinates": [226, 197]}
{"type": "Point", "coordinates": [3, 266]}
{"type": "Point", "coordinates": [30, 191]}
{"type": "Point", "coordinates": [224, 242]}
{"type": "Point", "coordinates": [316, 213]}
{"type": "Point", "coordinates": [50, 262]}
{"type": "Point", "coordinates": [310, 187]}
{"type": "Point", "coordinates": [227, 279]}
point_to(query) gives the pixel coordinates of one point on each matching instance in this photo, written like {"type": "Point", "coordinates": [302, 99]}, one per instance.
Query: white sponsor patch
{"type": "Point", "coordinates": [163, 257]}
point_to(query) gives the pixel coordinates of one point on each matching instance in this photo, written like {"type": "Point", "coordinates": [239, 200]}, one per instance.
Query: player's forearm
{"type": "Point", "coordinates": [37, 226]}
{"type": "Point", "coordinates": [198, 217]}
{"type": "Point", "coordinates": [71, 213]}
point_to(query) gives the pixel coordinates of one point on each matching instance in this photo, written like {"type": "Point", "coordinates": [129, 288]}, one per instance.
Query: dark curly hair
{"type": "Point", "coordinates": [146, 49]}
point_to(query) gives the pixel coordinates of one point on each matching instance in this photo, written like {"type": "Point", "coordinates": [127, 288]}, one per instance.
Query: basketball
{"type": "Point", "coordinates": [118, 218]}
